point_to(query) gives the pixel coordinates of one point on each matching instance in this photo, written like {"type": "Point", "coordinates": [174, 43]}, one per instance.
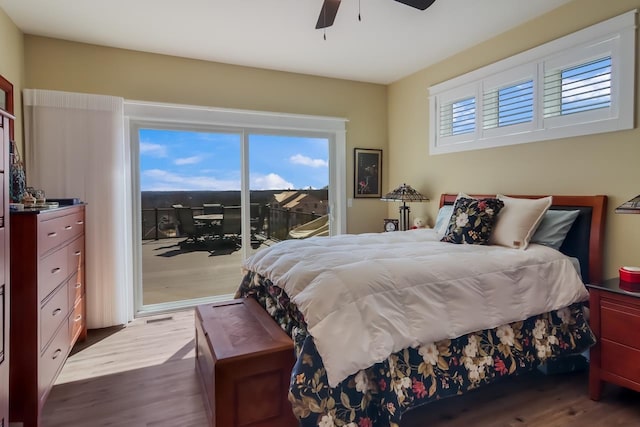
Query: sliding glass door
{"type": "Point", "coordinates": [289, 187]}
{"type": "Point", "coordinates": [188, 253]}
{"type": "Point", "coordinates": [209, 197]}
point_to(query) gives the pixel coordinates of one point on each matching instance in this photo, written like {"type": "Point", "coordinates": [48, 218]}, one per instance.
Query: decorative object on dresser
{"type": "Point", "coordinates": [47, 274]}
{"type": "Point", "coordinates": [244, 361]}
{"type": "Point", "coordinates": [5, 119]}
{"type": "Point", "coordinates": [615, 320]}
{"type": "Point", "coordinates": [405, 193]}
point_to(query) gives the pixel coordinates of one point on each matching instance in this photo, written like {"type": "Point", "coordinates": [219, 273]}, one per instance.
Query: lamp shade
{"type": "Point", "coordinates": [632, 206]}
{"type": "Point", "coordinates": [404, 193]}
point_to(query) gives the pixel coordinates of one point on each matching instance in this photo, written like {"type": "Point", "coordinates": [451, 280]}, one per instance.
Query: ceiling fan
{"type": "Point", "coordinates": [330, 9]}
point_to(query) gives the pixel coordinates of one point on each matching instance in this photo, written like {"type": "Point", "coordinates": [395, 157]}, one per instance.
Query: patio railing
{"type": "Point", "coordinates": [162, 223]}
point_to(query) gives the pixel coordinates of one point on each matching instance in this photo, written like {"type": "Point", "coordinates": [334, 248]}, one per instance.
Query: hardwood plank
{"type": "Point", "coordinates": [144, 375]}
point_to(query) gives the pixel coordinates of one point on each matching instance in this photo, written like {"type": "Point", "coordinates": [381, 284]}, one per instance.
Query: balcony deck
{"type": "Point", "coordinates": [174, 272]}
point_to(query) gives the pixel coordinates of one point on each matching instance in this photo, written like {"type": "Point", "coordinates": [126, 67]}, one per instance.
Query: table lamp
{"type": "Point", "coordinates": [405, 193]}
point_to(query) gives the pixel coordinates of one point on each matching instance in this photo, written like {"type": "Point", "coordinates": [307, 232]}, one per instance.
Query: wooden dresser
{"type": "Point", "coordinates": [4, 269]}
{"type": "Point", "coordinates": [615, 321]}
{"type": "Point", "coordinates": [47, 305]}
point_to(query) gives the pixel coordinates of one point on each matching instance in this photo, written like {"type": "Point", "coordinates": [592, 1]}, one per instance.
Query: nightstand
{"type": "Point", "coordinates": [615, 321]}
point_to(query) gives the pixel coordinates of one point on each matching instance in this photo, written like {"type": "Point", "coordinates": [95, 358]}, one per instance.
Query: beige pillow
{"type": "Point", "coordinates": [518, 220]}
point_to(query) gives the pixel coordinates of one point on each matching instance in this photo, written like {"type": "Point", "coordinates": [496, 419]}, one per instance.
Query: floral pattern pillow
{"type": "Point", "coordinates": [472, 221]}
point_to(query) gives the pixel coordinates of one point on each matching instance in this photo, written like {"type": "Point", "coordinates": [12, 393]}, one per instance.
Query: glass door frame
{"type": "Point", "coordinates": [147, 115]}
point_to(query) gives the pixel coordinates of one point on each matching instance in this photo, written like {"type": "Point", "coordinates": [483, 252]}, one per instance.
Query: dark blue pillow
{"type": "Point", "coordinates": [472, 221]}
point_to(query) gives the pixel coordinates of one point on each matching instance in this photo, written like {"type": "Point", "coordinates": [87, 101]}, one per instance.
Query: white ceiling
{"type": "Point", "coordinates": [392, 40]}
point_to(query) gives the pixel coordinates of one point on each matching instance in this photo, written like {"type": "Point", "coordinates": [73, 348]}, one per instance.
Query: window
{"type": "Point", "coordinates": [458, 117]}
{"type": "Point", "coordinates": [581, 88]}
{"type": "Point", "coordinates": [568, 87]}
{"type": "Point", "coordinates": [508, 105]}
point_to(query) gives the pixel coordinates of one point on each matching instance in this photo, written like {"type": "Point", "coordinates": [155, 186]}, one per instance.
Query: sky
{"type": "Point", "coordinates": [175, 160]}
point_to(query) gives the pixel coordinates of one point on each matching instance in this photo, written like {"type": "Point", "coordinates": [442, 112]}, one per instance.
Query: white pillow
{"type": "Point", "coordinates": [518, 220]}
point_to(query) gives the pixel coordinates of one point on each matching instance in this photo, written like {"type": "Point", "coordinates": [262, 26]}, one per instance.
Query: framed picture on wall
{"type": "Point", "coordinates": [368, 173]}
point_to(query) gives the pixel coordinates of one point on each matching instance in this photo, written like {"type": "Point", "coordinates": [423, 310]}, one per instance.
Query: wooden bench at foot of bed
{"type": "Point", "coordinates": [244, 361]}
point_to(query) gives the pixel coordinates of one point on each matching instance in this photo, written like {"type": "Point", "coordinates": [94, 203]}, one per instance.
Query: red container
{"type": "Point", "coordinates": [630, 274]}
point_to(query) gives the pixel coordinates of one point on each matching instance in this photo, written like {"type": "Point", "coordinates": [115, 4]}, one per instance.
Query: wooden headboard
{"type": "Point", "coordinates": [585, 238]}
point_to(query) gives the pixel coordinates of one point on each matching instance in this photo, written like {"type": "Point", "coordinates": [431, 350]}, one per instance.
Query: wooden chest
{"type": "Point", "coordinates": [244, 361]}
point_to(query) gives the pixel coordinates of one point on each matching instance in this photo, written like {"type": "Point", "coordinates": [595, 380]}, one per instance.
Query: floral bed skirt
{"type": "Point", "coordinates": [379, 395]}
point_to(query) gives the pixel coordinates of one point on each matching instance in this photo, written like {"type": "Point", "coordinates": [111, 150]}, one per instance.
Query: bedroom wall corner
{"type": "Point", "coordinates": [596, 164]}
{"type": "Point", "coordinates": [12, 68]}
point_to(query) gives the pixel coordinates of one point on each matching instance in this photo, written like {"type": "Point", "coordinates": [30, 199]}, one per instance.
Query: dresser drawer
{"type": "Point", "coordinates": [76, 288]}
{"type": "Point", "coordinates": [76, 321]}
{"type": "Point", "coordinates": [52, 271]}
{"type": "Point", "coordinates": [52, 314]}
{"type": "Point", "coordinates": [75, 254]}
{"type": "Point", "coordinates": [51, 360]}
{"type": "Point", "coordinates": [620, 360]}
{"type": "Point", "coordinates": [620, 322]}
{"type": "Point", "coordinates": [3, 278]}
{"type": "Point", "coordinates": [54, 231]}
{"type": "Point", "coordinates": [74, 225]}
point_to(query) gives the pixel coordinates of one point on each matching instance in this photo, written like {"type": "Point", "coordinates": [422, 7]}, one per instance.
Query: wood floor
{"type": "Point", "coordinates": [143, 375]}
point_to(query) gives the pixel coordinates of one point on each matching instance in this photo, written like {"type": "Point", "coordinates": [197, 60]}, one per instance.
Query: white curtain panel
{"type": "Point", "coordinates": [75, 147]}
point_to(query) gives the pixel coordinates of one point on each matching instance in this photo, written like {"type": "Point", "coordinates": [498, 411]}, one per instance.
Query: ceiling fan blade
{"type": "Point", "coordinates": [418, 4]}
{"type": "Point", "coordinates": [327, 13]}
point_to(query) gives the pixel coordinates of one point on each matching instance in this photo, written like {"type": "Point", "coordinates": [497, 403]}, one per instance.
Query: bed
{"type": "Point", "coordinates": [394, 369]}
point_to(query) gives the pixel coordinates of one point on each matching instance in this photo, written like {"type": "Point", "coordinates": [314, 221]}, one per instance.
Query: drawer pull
{"type": "Point", "coordinates": [78, 318]}
{"type": "Point", "coordinates": [77, 253]}
{"type": "Point", "coordinates": [68, 227]}
{"type": "Point", "coordinates": [80, 222]}
{"type": "Point", "coordinates": [55, 270]}
{"type": "Point", "coordinates": [56, 311]}
{"type": "Point", "coordinates": [52, 234]}
{"type": "Point", "coordinates": [56, 353]}
{"type": "Point", "coordinates": [78, 285]}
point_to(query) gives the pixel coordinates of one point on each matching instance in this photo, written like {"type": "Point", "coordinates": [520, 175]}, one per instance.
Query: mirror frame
{"type": "Point", "coordinates": [7, 88]}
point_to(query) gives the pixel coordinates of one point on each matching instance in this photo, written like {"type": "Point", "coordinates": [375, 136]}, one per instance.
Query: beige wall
{"type": "Point", "coordinates": [599, 164]}
{"type": "Point", "coordinates": [61, 65]}
{"type": "Point", "coordinates": [12, 66]}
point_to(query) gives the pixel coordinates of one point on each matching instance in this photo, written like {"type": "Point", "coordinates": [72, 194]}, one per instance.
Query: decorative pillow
{"type": "Point", "coordinates": [554, 227]}
{"type": "Point", "coordinates": [472, 221]}
{"type": "Point", "coordinates": [442, 220]}
{"type": "Point", "coordinates": [444, 214]}
{"type": "Point", "coordinates": [518, 220]}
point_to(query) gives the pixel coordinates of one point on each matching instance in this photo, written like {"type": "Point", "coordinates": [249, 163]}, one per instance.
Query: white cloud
{"type": "Point", "coordinates": [270, 181]}
{"type": "Point", "coordinates": [159, 180]}
{"type": "Point", "coordinates": [299, 159]}
{"type": "Point", "coordinates": [188, 160]}
{"type": "Point", "coordinates": [154, 150]}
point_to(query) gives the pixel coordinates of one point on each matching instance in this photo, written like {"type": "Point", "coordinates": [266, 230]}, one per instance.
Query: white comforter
{"type": "Point", "coordinates": [369, 295]}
